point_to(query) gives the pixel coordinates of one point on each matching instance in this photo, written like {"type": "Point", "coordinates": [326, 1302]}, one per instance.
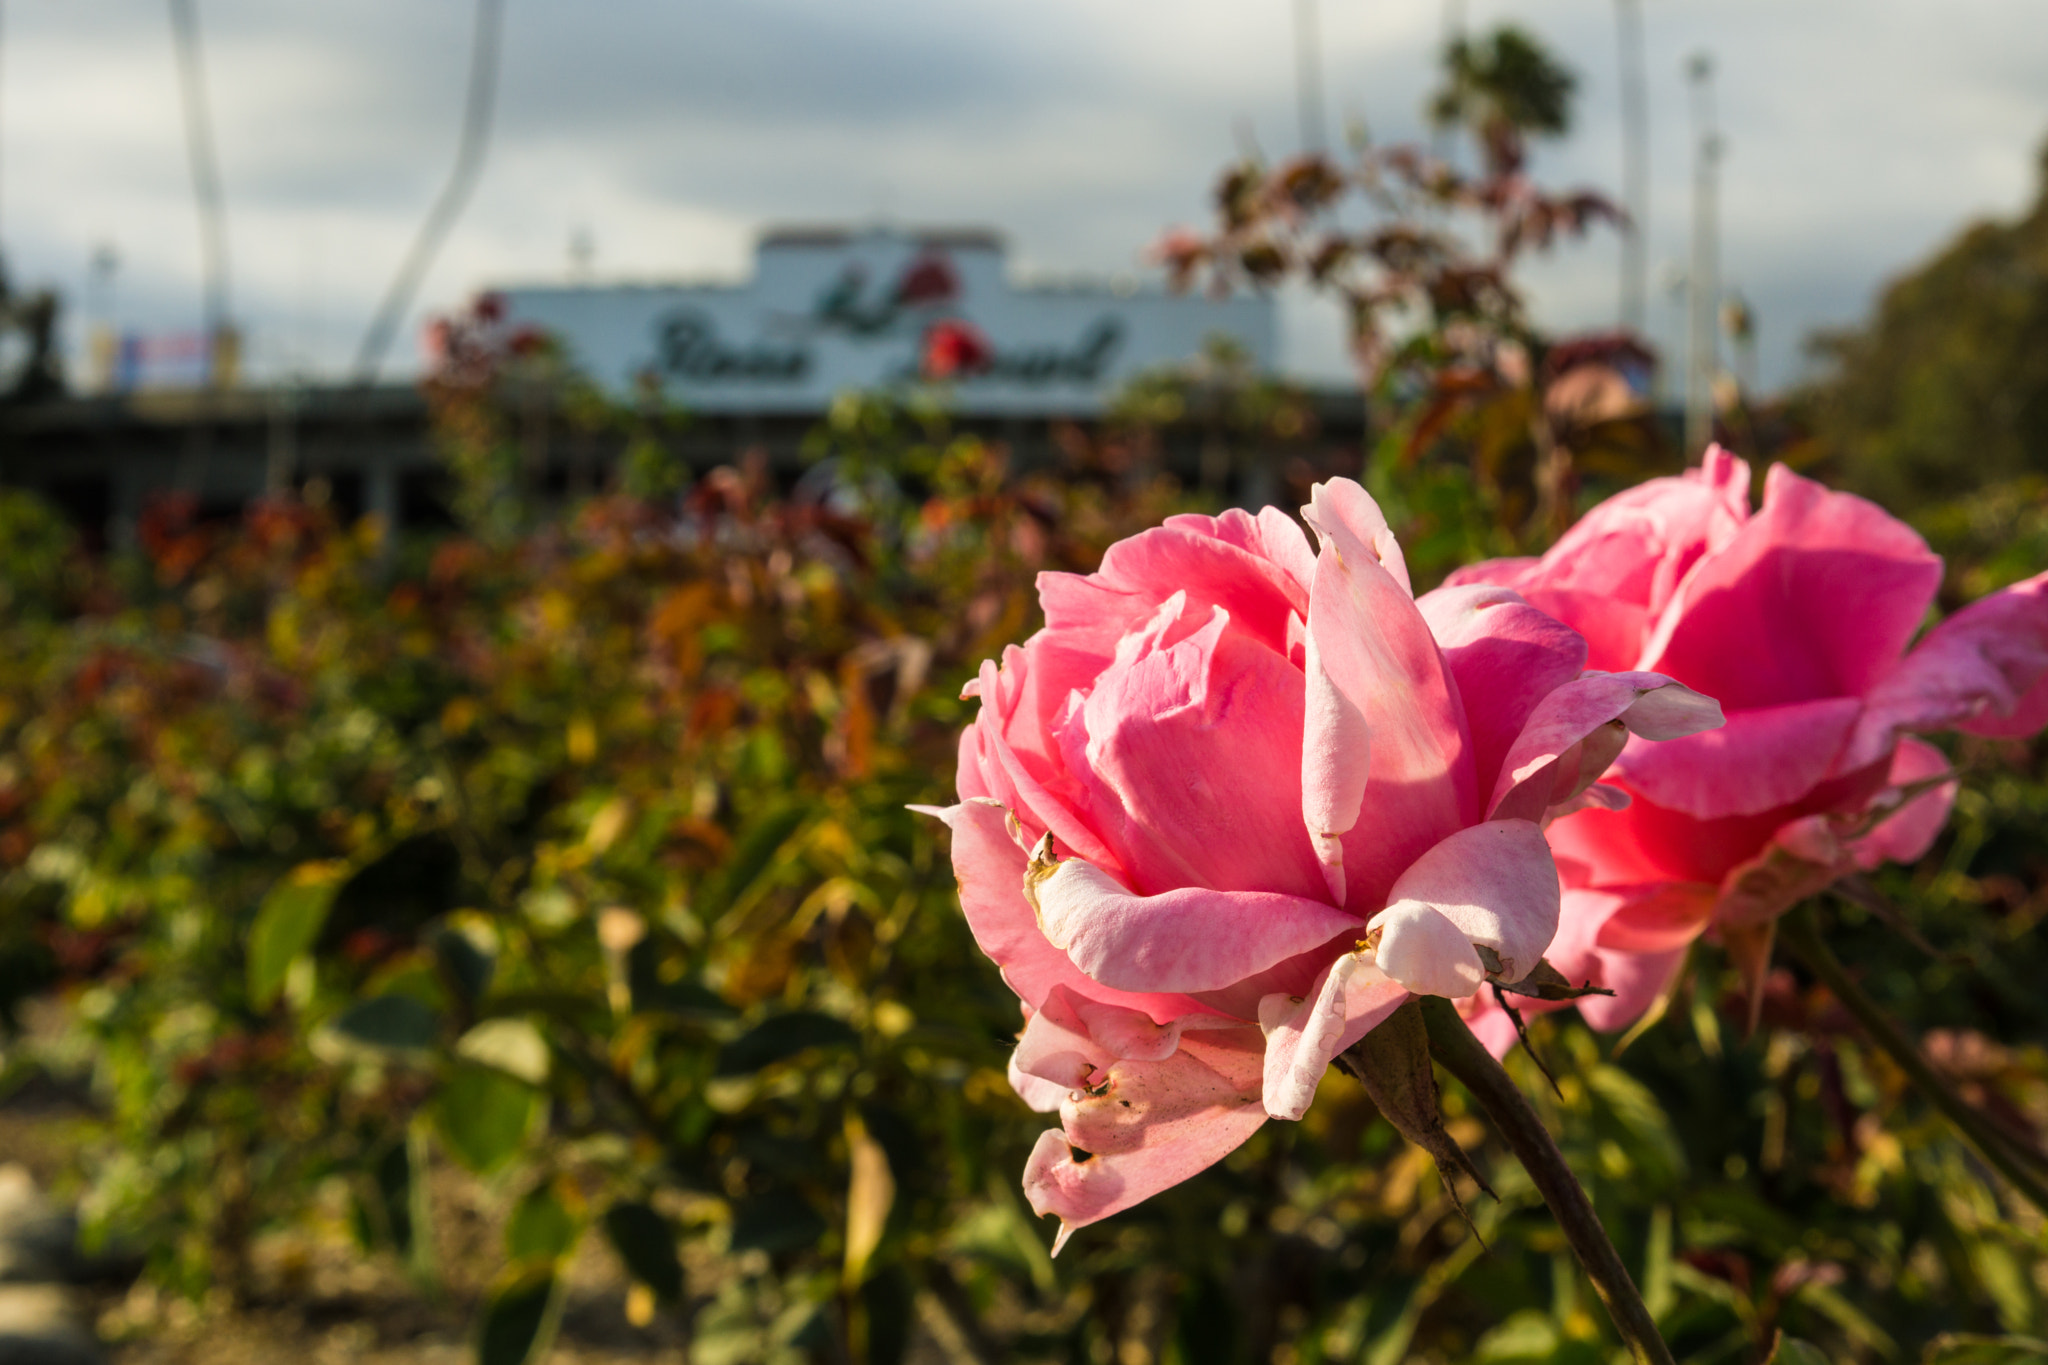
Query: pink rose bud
{"type": "Point", "coordinates": [1238, 800]}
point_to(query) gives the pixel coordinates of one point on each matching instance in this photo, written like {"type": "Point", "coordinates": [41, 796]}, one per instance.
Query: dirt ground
{"type": "Point", "coordinates": [315, 1299]}
{"type": "Point", "coordinates": [319, 1302]}
{"type": "Point", "coordinates": [333, 1331]}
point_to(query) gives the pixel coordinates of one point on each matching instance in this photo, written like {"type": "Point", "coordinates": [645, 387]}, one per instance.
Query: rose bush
{"type": "Point", "coordinates": [1237, 800]}
{"type": "Point", "coordinates": [1796, 619]}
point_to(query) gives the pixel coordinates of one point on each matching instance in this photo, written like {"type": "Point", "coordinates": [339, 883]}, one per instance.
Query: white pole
{"type": "Point", "coordinates": [1635, 166]}
{"type": "Point", "coordinates": [1703, 284]}
{"type": "Point", "coordinates": [1308, 61]}
{"type": "Point", "coordinates": [206, 190]}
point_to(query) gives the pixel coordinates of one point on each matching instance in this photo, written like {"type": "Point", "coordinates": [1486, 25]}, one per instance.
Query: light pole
{"type": "Point", "coordinates": [1635, 165]}
{"type": "Point", "coordinates": [3, 254]}
{"type": "Point", "coordinates": [102, 330]}
{"type": "Point", "coordinates": [478, 105]}
{"type": "Point", "coordinates": [213, 227]}
{"type": "Point", "coordinates": [1454, 34]}
{"type": "Point", "coordinates": [1308, 74]}
{"type": "Point", "coordinates": [1703, 282]}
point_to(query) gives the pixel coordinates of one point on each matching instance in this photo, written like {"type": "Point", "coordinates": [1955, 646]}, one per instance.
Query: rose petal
{"type": "Point", "coordinates": [1657, 918]}
{"type": "Point", "coordinates": [1342, 507]}
{"type": "Point", "coordinates": [1190, 755]}
{"type": "Point", "coordinates": [1044, 1096]}
{"type": "Point", "coordinates": [1493, 885]}
{"type": "Point", "coordinates": [1149, 1126]}
{"type": "Point", "coordinates": [1758, 761]}
{"type": "Point", "coordinates": [1804, 857]}
{"type": "Point", "coordinates": [1070, 1039]}
{"type": "Point", "coordinates": [1636, 979]}
{"type": "Point", "coordinates": [1821, 589]}
{"type": "Point", "coordinates": [1576, 731]}
{"type": "Point", "coordinates": [1007, 778]}
{"type": "Point", "coordinates": [1139, 572]}
{"type": "Point", "coordinates": [990, 869]}
{"type": "Point", "coordinates": [1509, 572]}
{"type": "Point", "coordinates": [1193, 938]}
{"type": "Point", "coordinates": [1490, 1024]}
{"type": "Point", "coordinates": [1427, 953]}
{"type": "Point", "coordinates": [1272, 536]}
{"type": "Point", "coordinates": [1377, 652]}
{"type": "Point", "coordinates": [1907, 834]}
{"type": "Point", "coordinates": [1506, 656]}
{"type": "Point", "coordinates": [1336, 757]}
{"type": "Point", "coordinates": [1584, 958]}
{"type": "Point", "coordinates": [1599, 796]}
{"type": "Point", "coordinates": [1585, 921]}
{"type": "Point", "coordinates": [1984, 670]}
{"type": "Point", "coordinates": [1614, 572]}
{"type": "Point", "coordinates": [1305, 1033]}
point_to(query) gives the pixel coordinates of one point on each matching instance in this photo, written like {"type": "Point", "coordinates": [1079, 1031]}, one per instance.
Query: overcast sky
{"type": "Point", "coordinates": [1861, 134]}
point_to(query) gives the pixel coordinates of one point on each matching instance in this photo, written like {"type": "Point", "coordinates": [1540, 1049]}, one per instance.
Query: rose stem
{"type": "Point", "coordinates": [1799, 935]}
{"type": "Point", "coordinates": [1461, 1054]}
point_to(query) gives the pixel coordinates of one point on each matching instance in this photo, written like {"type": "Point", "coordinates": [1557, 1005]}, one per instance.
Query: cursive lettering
{"type": "Point", "coordinates": [691, 349]}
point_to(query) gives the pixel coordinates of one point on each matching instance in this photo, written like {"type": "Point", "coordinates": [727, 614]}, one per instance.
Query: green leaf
{"type": "Point", "coordinates": [783, 1036]}
{"type": "Point", "coordinates": [408, 886]}
{"type": "Point", "coordinates": [467, 967]}
{"type": "Point", "coordinates": [888, 1302]}
{"type": "Point", "coordinates": [484, 1116]}
{"type": "Point", "coordinates": [1644, 1129]}
{"type": "Point", "coordinates": [685, 996]}
{"type": "Point", "coordinates": [870, 1194]}
{"type": "Point", "coordinates": [755, 854]}
{"type": "Point", "coordinates": [513, 1046]}
{"type": "Point", "coordinates": [1528, 1336]}
{"type": "Point", "coordinates": [541, 1227]}
{"type": "Point", "coordinates": [780, 1220]}
{"type": "Point", "coordinates": [1957, 1349]}
{"type": "Point", "coordinates": [287, 924]}
{"type": "Point", "coordinates": [519, 1321]}
{"type": "Point", "coordinates": [647, 1244]}
{"type": "Point", "coordinates": [385, 1208]}
{"type": "Point", "coordinates": [393, 1021]}
{"type": "Point", "coordinates": [1793, 1351]}
{"type": "Point", "coordinates": [1207, 1325]}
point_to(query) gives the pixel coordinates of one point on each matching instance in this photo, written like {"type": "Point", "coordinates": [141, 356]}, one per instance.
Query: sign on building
{"type": "Point", "coordinates": [830, 310]}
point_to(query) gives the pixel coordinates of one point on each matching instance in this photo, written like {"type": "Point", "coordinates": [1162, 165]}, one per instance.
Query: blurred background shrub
{"type": "Point", "coordinates": [574, 858]}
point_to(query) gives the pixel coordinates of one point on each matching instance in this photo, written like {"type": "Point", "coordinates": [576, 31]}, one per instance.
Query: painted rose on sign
{"type": "Point", "coordinates": [1797, 618]}
{"type": "Point", "coordinates": [1238, 800]}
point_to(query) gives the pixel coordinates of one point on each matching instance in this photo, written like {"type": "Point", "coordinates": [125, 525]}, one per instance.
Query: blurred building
{"type": "Point", "coordinates": [129, 362]}
{"type": "Point", "coordinates": [830, 309]}
{"type": "Point", "coordinates": [754, 365]}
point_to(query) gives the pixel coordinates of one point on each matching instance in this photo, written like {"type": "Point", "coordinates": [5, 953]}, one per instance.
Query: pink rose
{"type": "Point", "coordinates": [1237, 800]}
{"type": "Point", "coordinates": [1797, 620]}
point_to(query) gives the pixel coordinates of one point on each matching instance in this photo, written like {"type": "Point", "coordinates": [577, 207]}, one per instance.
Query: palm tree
{"type": "Point", "coordinates": [1503, 88]}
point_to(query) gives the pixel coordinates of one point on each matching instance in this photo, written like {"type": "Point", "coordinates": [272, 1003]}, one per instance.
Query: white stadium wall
{"type": "Point", "coordinates": [829, 310]}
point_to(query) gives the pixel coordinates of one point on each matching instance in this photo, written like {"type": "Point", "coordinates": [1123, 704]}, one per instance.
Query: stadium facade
{"type": "Point", "coordinates": [755, 364]}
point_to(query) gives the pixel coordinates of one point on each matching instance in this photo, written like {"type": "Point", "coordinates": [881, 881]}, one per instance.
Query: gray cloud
{"type": "Point", "coordinates": [1860, 133]}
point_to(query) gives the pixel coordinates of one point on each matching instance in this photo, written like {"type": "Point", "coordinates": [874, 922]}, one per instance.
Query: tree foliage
{"type": "Point", "coordinates": [1504, 87]}
{"type": "Point", "coordinates": [1945, 390]}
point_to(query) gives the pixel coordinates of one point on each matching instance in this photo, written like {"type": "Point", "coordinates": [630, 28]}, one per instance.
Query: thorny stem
{"type": "Point", "coordinates": [1461, 1054]}
{"type": "Point", "coordinates": [1800, 936]}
